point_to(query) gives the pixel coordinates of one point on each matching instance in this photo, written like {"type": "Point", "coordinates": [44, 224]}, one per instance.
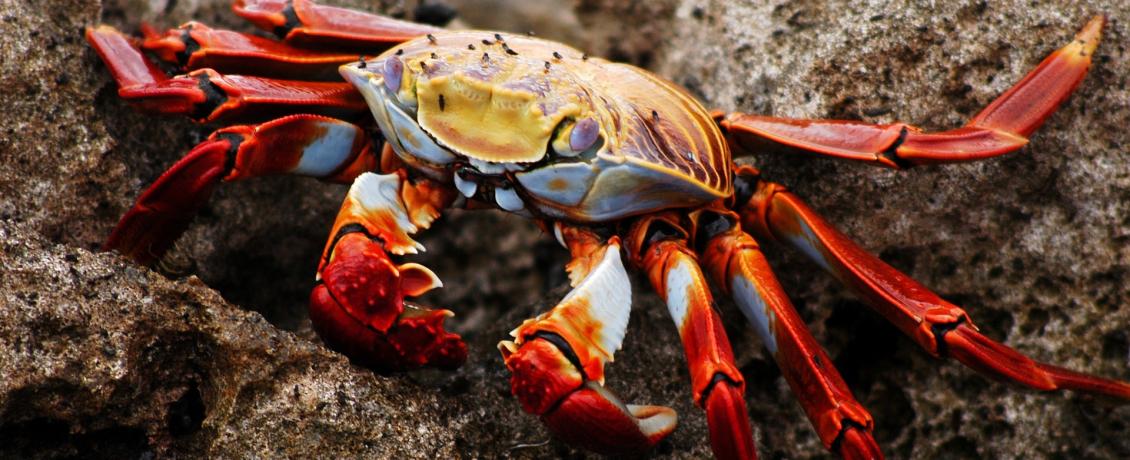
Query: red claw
{"type": "Point", "coordinates": [593, 418]}
{"type": "Point", "coordinates": [359, 310]}
{"type": "Point", "coordinates": [579, 411]}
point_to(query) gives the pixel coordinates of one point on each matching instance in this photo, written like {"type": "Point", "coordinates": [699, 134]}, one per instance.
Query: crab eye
{"type": "Point", "coordinates": [576, 138]}
{"type": "Point", "coordinates": [393, 72]}
{"type": "Point", "coordinates": [584, 135]}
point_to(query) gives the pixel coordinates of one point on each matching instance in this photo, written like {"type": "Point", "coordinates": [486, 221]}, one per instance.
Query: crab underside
{"type": "Point", "coordinates": [615, 162]}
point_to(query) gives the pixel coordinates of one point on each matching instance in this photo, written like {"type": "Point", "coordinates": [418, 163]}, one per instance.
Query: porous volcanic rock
{"type": "Point", "coordinates": [100, 357]}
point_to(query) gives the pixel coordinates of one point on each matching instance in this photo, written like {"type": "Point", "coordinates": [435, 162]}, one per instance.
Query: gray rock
{"type": "Point", "coordinates": [101, 357]}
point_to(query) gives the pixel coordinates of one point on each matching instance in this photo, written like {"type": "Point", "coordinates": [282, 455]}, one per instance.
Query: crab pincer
{"type": "Point", "coordinates": [358, 305]}
{"type": "Point", "coordinates": [557, 359]}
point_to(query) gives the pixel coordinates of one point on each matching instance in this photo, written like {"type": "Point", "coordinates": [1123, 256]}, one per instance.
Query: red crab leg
{"type": "Point", "coordinates": [939, 327]}
{"type": "Point", "coordinates": [207, 96]}
{"type": "Point", "coordinates": [358, 305]}
{"type": "Point", "coordinates": [557, 359]}
{"type": "Point", "coordinates": [658, 245]}
{"type": "Point", "coordinates": [308, 145]}
{"type": "Point", "coordinates": [736, 264]}
{"type": "Point", "coordinates": [1002, 127]}
{"type": "Point", "coordinates": [196, 46]}
{"type": "Point", "coordinates": [305, 23]}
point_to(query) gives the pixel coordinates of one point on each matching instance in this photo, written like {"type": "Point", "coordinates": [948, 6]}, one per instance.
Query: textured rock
{"type": "Point", "coordinates": [106, 355]}
{"type": "Point", "coordinates": [103, 358]}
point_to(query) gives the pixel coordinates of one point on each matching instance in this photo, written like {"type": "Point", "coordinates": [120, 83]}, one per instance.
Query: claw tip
{"type": "Point", "coordinates": [507, 348]}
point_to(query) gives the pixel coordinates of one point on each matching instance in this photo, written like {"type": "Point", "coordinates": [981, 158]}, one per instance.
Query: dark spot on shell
{"type": "Point", "coordinates": [556, 55]}
{"type": "Point", "coordinates": [509, 51]}
{"type": "Point", "coordinates": [498, 37]}
{"type": "Point", "coordinates": [432, 39]}
{"type": "Point", "coordinates": [361, 62]}
{"type": "Point", "coordinates": [585, 57]}
{"type": "Point", "coordinates": [442, 105]}
{"type": "Point", "coordinates": [654, 115]}
{"type": "Point", "coordinates": [487, 42]}
{"type": "Point", "coordinates": [471, 46]}
{"type": "Point", "coordinates": [547, 66]}
{"type": "Point", "coordinates": [435, 56]}
{"type": "Point", "coordinates": [400, 52]}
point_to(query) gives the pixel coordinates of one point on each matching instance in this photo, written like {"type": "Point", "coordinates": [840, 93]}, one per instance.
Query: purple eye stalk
{"type": "Point", "coordinates": [584, 135]}
{"type": "Point", "coordinates": [577, 138]}
{"type": "Point", "coordinates": [393, 72]}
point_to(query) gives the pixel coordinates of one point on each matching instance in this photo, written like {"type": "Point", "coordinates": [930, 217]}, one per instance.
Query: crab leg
{"type": "Point", "coordinates": [939, 327]}
{"type": "Point", "coordinates": [207, 96]}
{"type": "Point", "coordinates": [658, 245]}
{"type": "Point", "coordinates": [1002, 127]}
{"type": "Point", "coordinates": [195, 46]}
{"type": "Point", "coordinates": [308, 145]}
{"type": "Point", "coordinates": [557, 359]}
{"type": "Point", "coordinates": [305, 23]}
{"type": "Point", "coordinates": [358, 305]}
{"type": "Point", "coordinates": [736, 263]}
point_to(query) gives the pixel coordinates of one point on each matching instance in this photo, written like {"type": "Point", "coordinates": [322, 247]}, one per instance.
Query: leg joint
{"type": "Point", "coordinates": [891, 153]}
{"type": "Point", "coordinates": [709, 225]}
{"type": "Point", "coordinates": [714, 381]}
{"type": "Point", "coordinates": [214, 97]}
{"type": "Point", "coordinates": [939, 330]}
{"type": "Point", "coordinates": [235, 140]}
{"type": "Point", "coordinates": [292, 21]}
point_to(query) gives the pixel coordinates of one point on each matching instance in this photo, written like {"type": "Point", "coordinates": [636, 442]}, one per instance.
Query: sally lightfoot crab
{"type": "Point", "coordinates": [619, 164]}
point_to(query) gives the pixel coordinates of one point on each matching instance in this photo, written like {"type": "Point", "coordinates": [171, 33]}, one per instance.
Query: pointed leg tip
{"type": "Point", "coordinates": [1094, 28]}
{"type": "Point", "coordinates": [1066, 379]}
{"type": "Point", "coordinates": [1002, 362]}
{"type": "Point", "coordinates": [1088, 37]}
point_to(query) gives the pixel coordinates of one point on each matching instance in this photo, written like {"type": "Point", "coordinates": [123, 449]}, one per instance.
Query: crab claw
{"type": "Point", "coordinates": [580, 411]}
{"type": "Point", "coordinates": [557, 359]}
{"type": "Point", "coordinates": [359, 310]}
{"type": "Point", "coordinates": [358, 306]}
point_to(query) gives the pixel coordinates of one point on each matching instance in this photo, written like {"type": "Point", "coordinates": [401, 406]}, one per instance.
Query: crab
{"type": "Point", "coordinates": [624, 168]}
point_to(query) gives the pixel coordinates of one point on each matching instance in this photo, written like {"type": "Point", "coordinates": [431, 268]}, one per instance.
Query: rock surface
{"type": "Point", "coordinates": [115, 360]}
